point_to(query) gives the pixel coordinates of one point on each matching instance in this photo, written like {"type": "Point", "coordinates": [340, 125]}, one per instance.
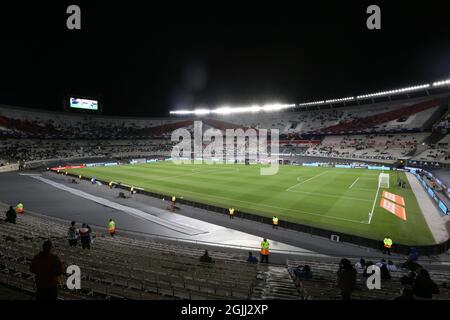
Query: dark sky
{"type": "Point", "coordinates": [147, 57]}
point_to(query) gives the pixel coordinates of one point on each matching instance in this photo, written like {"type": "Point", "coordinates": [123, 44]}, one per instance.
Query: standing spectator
{"type": "Point", "coordinates": [346, 278]}
{"type": "Point", "coordinates": [85, 236]}
{"type": "Point", "coordinates": [48, 268]}
{"type": "Point", "coordinates": [11, 215]}
{"type": "Point", "coordinates": [72, 235]}
{"type": "Point", "coordinates": [424, 287]}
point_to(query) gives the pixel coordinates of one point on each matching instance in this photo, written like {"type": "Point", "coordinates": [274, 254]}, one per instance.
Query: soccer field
{"type": "Point", "coordinates": [345, 200]}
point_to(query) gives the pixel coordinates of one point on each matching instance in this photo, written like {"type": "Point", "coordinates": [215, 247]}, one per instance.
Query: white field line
{"type": "Point", "coordinates": [373, 206]}
{"type": "Point", "coordinates": [300, 183]}
{"type": "Point", "coordinates": [365, 189]}
{"type": "Point", "coordinates": [354, 183]}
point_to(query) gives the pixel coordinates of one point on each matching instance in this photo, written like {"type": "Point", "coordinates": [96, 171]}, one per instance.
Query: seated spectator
{"type": "Point", "coordinates": [11, 215]}
{"type": "Point", "coordinates": [72, 235]}
{"type": "Point", "coordinates": [206, 258]}
{"type": "Point", "coordinates": [413, 254]}
{"type": "Point", "coordinates": [303, 272]}
{"type": "Point", "coordinates": [48, 268]}
{"type": "Point", "coordinates": [251, 258]}
{"type": "Point", "coordinates": [360, 264]}
{"type": "Point", "coordinates": [391, 266]}
{"type": "Point", "coordinates": [424, 287]}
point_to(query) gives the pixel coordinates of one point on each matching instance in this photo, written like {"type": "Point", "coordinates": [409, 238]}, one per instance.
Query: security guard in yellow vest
{"type": "Point", "coordinates": [111, 227]}
{"type": "Point", "coordinates": [174, 200]}
{"type": "Point", "coordinates": [110, 185]}
{"type": "Point", "coordinates": [231, 211]}
{"type": "Point", "coordinates": [387, 245]}
{"type": "Point", "coordinates": [264, 251]}
{"type": "Point", "coordinates": [19, 208]}
{"type": "Point", "coordinates": [275, 222]}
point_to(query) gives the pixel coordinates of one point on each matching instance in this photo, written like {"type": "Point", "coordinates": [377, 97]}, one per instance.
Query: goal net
{"type": "Point", "coordinates": [383, 180]}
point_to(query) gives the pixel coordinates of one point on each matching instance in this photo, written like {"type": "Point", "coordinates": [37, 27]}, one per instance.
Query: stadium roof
{"type": "Point", "coordinates": [277, 107]}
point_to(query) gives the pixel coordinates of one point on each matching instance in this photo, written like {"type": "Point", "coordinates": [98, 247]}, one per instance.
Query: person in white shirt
{"type": "Point", "coordinates": [391, 266]}
{"type": "Point", "coordinates": [360, 264]}
{"type": "Point", "coordinates": [381, 263]}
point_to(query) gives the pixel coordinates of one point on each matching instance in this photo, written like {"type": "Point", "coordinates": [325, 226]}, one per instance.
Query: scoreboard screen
{"type": "Point", "coordinates": [84, 104]}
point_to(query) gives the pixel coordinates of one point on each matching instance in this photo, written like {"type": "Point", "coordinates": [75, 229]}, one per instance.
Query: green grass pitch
{"type": "Point", "coordinates": [331, 198]}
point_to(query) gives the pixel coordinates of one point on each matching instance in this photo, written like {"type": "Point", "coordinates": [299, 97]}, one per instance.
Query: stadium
{"type": "Point", "coordinates": [187, 205]}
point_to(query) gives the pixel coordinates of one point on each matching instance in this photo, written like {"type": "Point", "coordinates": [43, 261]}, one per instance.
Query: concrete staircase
{"type": "Point", "coordinates": [274, 283]}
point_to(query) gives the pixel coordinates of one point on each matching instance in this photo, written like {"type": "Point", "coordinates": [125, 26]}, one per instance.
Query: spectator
{"type": "Point", "coordinates": [381, 263]}
{"type": "Point", "coordinates": [206, 258]}
{"type": "Point", "coordinates": [47, 267]}
{"type": "Point", "coordinates": [411, 265]}
{"type": "Point", "coordinates": [368, 264]}
{"type": "Point", "coordinates": [384, 272]}
{"type": "Point", "coordinates": [85, 236]}
{"type": "Point", "coordinates": [407, 290]}
{"type": "Point", "coordinates": [391, 266]}
{"type": "Point", "coordinates": [251, 258]}
{"type": "Point", "coordinates": [11, 215]}
{"type": "Point", "coordinates": [360, 264]}
{"type": "Point", "coordinates": [424, 287]}
{"type": "Point", "coordinates": [72, 235]}
{"type": "Point", "coordinates": [413, 255]}
{"type": "Point", "coordinates": [346, 278]}
{"type": "Point", "coordinates": [303, 272]}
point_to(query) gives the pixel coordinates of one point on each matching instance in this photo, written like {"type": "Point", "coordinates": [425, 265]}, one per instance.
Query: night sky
{"type": "Point", "coordinates": [145, 58]}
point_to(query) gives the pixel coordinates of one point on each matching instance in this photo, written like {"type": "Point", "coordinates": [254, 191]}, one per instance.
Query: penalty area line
{"type": "Point", "coordinates": [373, 206]}
{"type": "Point", "coordinates": [354, 183]}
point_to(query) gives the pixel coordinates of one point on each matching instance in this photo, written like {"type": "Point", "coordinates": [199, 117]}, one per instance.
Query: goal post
{"type": "Point", "coordinates": [383, 180]}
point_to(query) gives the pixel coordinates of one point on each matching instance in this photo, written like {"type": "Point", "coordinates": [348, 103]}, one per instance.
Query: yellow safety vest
{"type": "Point", "coordinates": [173, 199]}
{"type": "Point", "coordinates": [275, 220]}
{"type": "Point", "coordinates": [265, 247]}
{"type": "Point", "coordinates": [19, 208]}
{"type": "Point", "coordinates": [387, 243]}
{"type": "Point", "coordinates": [111, 226]}
{"type": "Point", "coordinates": [231, 211]}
